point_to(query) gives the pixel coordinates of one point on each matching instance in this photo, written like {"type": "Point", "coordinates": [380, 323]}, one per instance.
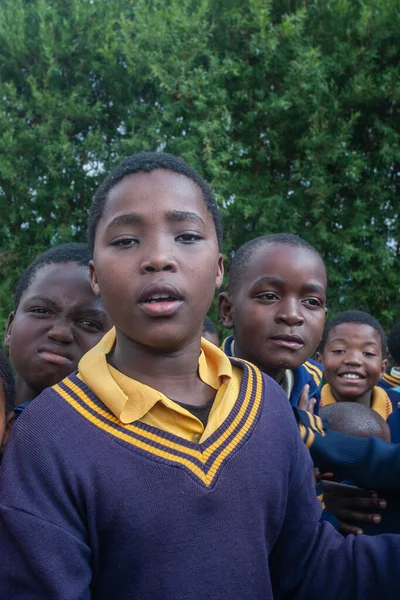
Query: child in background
{"type": "Point", "coordinates": [210, 332]}
{"type": "Point", "coordinates": [56, 319]}
{"type": "Point", "coordinates": [275, 303]}
{"type": "Point", "coordinates": [391, 379]}
{"type": "Point", "coordinates": [150, 509]}
{"type": "Point", "coordinates": [353, 353]}
{"type": "Point", "coordinates": [7, 397]}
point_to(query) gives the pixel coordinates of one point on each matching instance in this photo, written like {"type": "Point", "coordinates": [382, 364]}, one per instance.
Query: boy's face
{"type": "Point", "coordinates": [278, 311]}
{"type": "Point", "coordinates": [156, 259]}
{"type": "Point", "coordinates": [352, 359]}
{"type": "Point", "coordinates": [58, 319]}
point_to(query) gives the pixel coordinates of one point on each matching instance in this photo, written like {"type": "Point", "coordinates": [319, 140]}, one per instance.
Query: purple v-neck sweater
{"type": "Point", "coordinates": [93, 508]}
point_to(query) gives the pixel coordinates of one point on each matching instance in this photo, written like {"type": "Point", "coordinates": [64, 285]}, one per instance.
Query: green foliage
{"type": "Point", "coordinates": [289, 108]}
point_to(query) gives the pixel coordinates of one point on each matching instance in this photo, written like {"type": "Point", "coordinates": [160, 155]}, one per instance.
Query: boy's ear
{"type": "Point", "coordinates": [318, 358]}
{"type": "Point", "coordinates": [9, 423]}
{"type": "Point", "coordinates": [225, 309]}
{"type": "Point", "coordinates": [93, 279]}
{"type": "Point", "coordinates": [220, 272]}
{"type": "Point", "coordinates": [9, 327]}
{"type": "Point", "coordinates": [384, 366]}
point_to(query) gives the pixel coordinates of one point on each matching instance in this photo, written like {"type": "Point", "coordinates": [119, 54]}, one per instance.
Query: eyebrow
{"type": "Point", "coordinates": [309, 288]}
{"type": "Point", "coordinates": [173, 216]}
{"type": "Point", "coordinates": [93, 313]}
{"type": "Point", "coordinates": [177, 216]}
{"type": "Point", "coordinates": [126, 219]}
{"type": "Point", "coordinates": [345, 341]}
{"type": "Point", "coordinates": [44, 300]}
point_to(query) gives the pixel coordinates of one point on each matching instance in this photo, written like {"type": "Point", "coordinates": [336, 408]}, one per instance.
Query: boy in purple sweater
{"type": "Point", "coordinates": [166, 470]}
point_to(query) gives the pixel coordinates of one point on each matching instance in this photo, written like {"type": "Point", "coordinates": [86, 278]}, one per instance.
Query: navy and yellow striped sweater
{"type": "Point", "coordinates": [106, 510]}
{"type": "Point", "coordinates": [390, 379]}
{"type": "Point", "coordinates": [310, 373]}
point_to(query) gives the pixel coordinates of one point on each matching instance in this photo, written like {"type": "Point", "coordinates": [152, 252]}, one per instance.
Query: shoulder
{"type": "Point", "coordinates": [44, 419]}
{"type": "Point", "coordinates": [311, 372]}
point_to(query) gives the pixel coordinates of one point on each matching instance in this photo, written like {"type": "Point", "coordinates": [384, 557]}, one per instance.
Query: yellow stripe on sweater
{"type": "Point", "coordinates": [312, 373]}
{"type": "Point", "coordinates": [206, 477]}
{"type": "Point", "coordinates": [127, 438]}
{"type": "Point", "coordinates": [243, 430]}
{"type": "Point", "coordinates": [129, 427]}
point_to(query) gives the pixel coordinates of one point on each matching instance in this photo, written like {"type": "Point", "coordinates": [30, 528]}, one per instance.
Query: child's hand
{"type": "Point", "coordinates": [305, 402]}
{"type": "Point", "coordinates": [346, 502]}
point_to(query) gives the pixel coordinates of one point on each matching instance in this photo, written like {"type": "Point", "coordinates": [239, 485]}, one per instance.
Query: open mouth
{"type": "Point", "coordinates": [160, 300]}
{"type": "Point", "coordinates": [352, 376]}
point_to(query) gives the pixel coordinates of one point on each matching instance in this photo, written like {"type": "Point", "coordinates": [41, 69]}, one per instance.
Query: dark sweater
{"type": "Point", "coordinates": [105, 510]}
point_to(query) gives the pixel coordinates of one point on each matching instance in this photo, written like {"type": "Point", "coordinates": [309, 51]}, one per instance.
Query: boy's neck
{"type": "Point", "coordinates": [365, 399]}
{"type": "Point", "coordinates": [276, 374]}
{"type": "Point", "coordinates": [174, 374]}
{"type": "Point", "coordinates": [23, 392]}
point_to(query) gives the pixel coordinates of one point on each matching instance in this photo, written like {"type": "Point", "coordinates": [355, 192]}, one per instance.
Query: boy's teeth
{"type": "Point", "coordinates": [351, 376]}
{"type": "Point", "coordinates": [157, 297]}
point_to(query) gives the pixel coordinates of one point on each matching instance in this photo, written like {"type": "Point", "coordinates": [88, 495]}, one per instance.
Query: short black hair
{"type": "Point", "coordinates": [146, 162]}
{"type": "Point", "coordinates": [393, 343]}
{"type": "Point", "coordinates": [209, 325]}
{"type": "Point", "coordinates": [353, 316]}
{"type": "Point", "coordinates": [7, 383]}
{"type": "Point", "coordinates": [354, 419]}
{"type": "Point", "coordinates": [244, 254]}
{"type": "Point", "coordinates": [72, 252]}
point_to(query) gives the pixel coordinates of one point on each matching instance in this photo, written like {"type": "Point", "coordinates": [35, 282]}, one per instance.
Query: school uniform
{"type": "Point", "coordinates": [294, 380]}
{"type": "Point", "coordinates": [390, 379]}
{"type": "Point", "coordinates": [118, 499]}
{"type": "Point", "coordinates": [380, 401]}
{"type": "Point", "coordinates": [394, 418]}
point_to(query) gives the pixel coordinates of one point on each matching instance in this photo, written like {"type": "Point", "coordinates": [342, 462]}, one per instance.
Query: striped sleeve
{"type": "Point", "coordinates": [369, 462]}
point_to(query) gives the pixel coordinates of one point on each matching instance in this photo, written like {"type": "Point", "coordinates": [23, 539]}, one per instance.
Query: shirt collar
{"type": "Point", "coordinates": [380, 401]}
{"type": "Point", "coordinates": [129, 399]}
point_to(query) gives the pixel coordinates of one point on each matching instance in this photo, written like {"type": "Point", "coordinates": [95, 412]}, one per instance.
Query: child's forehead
{"type": "Point", "coordinates": [57, 275]}
{"type": "Point", "coordinates": [353, 333]}
{"type": "Point", "coordinates": [158, 187]}
{"type": "Point", "coordinates": [283, 260]}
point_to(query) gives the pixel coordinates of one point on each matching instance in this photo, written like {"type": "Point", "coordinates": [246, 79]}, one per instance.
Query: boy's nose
{"type": "Point", "coordinates": [353, 358]}
{"type": "Point", "coordinates": [290, 314]}
{"type": "Point", "coordinates": [61, 331]}
{"type": "Point", "coordinates": [158, 261]}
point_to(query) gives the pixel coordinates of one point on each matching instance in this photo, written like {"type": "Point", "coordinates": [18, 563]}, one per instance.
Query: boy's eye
{"type": "Point", "coordinates": [337, 351]}
{"type": "Point", "coordinates": [38, 310]}
{"type": "Point", "coordinates": [188, 238]}
{"type": "Point", "coordinates": [267, 296]}
{"type": "Point", "coordinates": [314, 302]}
{"type": "Point", "coordinates": [369, 354]}
{"type": "Point", "coordinates": [125, 242]}
{"type": "Point", "coordinates": [91, 325]}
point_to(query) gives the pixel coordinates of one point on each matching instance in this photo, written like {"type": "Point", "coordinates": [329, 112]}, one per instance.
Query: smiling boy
{"type": "Point", "coordinates": [353, 350]}
{"type": "Point", "coordinates": [134, 495]}
{"type": "Point", "coordinates": [275, 303]}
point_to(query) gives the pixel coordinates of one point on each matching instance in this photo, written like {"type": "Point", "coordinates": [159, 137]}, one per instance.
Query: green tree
{"type": "Point", "coordinates": [290, 109]}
